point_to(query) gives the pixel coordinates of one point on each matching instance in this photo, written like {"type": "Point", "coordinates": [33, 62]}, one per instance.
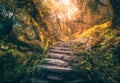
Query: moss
{"type": "Point", "coordinates": [18, 67]}
{"type": "Point", "coordinates": [101, 60]}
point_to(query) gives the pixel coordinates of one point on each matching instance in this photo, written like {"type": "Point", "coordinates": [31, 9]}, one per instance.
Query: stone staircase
{"type": "Point", "coordinates": [58, 66]}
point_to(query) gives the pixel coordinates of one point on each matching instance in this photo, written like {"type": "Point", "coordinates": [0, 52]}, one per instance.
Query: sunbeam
{"type": "Point", "coordinates": [64, 8]}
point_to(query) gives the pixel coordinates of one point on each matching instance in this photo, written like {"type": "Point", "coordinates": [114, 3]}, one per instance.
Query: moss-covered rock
{"type": "Point", "coordinates": [100, 60]}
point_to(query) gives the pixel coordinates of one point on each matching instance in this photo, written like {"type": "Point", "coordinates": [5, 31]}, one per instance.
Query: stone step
{"type": "Point", "coordinates": [77, 81]}
{"type": "Point", "coordinates": [56, 62]}
{"type": "Point", "coordinates": [60, 51]}
{"type": "Point", "coordinates": [70, 58]}
{"type": "Point", "coordinates": [61, 48]}
{"type": "Point", "coordinates": [56, 56]}
{"type": "Point", "coordinates": [57, 69]}
{"type": "Point", "coordinates": [34, 80]}
{"type": "Point", "coordinates": [60, 42]}
{"type": "Point", "coordinates": [55, 77]}
{"type": "Point", "coordinates": [65, 57]}
{"type": "Point", "coordinates": [64, 45]}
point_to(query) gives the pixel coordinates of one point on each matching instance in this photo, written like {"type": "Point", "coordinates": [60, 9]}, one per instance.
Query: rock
{"type": "Point", "coordinates": [60, 51]}
{"type": "Point", "coordinates": [64, 45]}
{"type": "Point", "coordinates": [55, 55]}
{"type": "Point", "coordinates": [33, 80]}
{"type": "Point", "coordinates": [71, 58]}
{"type": "Point", "coordinates": [55, 68]}
{"type": "Point", "coordinates": [77, 81]}
{"type": "Point", "coordinates": [61, 48]}
{"type": "Point", "coordinates": [56, 62]}
{"type": "Point", "coordinates": [55, 77]}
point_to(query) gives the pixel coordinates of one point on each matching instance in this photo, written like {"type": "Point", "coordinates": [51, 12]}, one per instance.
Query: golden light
{"type": "Point", "coordinates": [69, 19]}
{"type": "Point", "coordinates": [64, 9]}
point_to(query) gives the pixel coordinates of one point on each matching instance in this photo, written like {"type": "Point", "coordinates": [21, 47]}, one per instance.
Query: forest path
{"type": "Point", "coordinates": [57, 67]}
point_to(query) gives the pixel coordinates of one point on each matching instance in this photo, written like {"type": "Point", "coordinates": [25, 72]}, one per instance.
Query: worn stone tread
{"type": "Point", "coordinates": [70, 58]}
{"type": "Point", "coordinates": [57, 62]}
{"type": "Point", "coordinates": [61, 48]}
{"type": "Point", "coordinates": [77, 81]}
{"type": "Point", "coordinates": [55, 68]}
{"type": "Point", "coordinates": [60, 51]}
{"type": "Point", "coordinates": [55, 77]}
{"type": "Point", "coordinates": [64, 45]}
{"type": "Point", "coordinates": [57, 56]}
{"type": "Point", "coordinates": [33, 80]}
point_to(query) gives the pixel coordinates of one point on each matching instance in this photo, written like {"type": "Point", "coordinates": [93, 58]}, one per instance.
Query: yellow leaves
{"type": "Point", "coordinates": [88, 68]}
{"type": "Point", "coordinates": [41, 37]}
{"type": "Point", "coordinates": [117, 39]}
{"type": "Point", "coordinates": [41, 14]}
{"type": "Point", "coordinates": [64, 38]}
{"type": "Point", "coordinates": [45, 37]}
{"type": "Point", "coordinates": [35, 1]}
{"type": "Point", "coordinates": [92, 30]}
{"type": "Point", "coordinates": [21, 38]}
{"type": "Point", "coordinates": [86, 64]}
{"type": "Point", "coordinates": [82, 62]}
{"type": "Point", "coordinates": [96, 27]}
{"type": "Point", "coordinates": [106, 24]}
{"type": "Point", "coordinates": [28, 20]}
